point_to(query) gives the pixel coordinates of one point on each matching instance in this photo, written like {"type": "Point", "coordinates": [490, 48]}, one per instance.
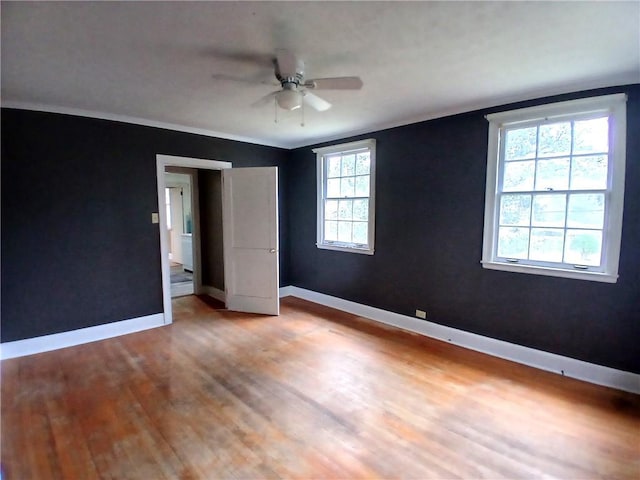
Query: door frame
{"type": "Point", "coordinates": [163, 161]}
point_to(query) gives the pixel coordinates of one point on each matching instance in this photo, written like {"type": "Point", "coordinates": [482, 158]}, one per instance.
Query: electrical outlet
{"type": "Point", "coordinates": [421, 314]}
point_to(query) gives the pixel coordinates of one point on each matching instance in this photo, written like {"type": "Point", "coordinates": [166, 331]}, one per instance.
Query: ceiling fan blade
{"type": "Point", "coordinates": [266, 99]}
{"type": "Point", "coordinates": [251, 81]}
{"type": "Point", "coordinates": [235, 55]}
{"type": "Point", "coordinates": [316, 102]}
{"type": "Point", "coordinates": [287, 63]}
{"type": "Point", "coordinates": [336, 83]}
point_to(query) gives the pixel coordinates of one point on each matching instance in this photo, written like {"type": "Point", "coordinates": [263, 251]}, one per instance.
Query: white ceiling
{"type": "Point", "coordinates": [155, 62]}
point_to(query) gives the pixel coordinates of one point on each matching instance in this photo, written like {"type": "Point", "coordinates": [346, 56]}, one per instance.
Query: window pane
{"type": "Point", "coordinates": [360, 210]}
{"type": "Point", "coordinates": [555, 140]}
{"type": "Point", "coordinates": [515, 210]}
{"type": "Point", "coordinates": [363, 163]}
{"type": "Point", "coordinates": [331, 231]}
{"type": "Point", "coordinates": [546, 244]}
{"type": "Point", "coordinates": [552, 174]}
{"type": "Point", "coordinates": [586, 211]}
{"type": "Point", "coordinates": [333, 187]}
{"type": "Point", "coordinates": [520, 144]}
{"type": "Point", "coordinates": [345, 210]}
{"type": "Point", "coordinates": [347, 187]}
{"type": "Point", "coordinates": [518, 176]}
{"type": "Point", "coordinates": [589, 173]}
{"type": "Point", "coordinates": [513, 242]}
{"type": "Point", "coordinates": [584, 247]}
{"type": "Point", "coordinates": [348, 165]}
{"type": "Point", "coordinates": [344, 232]}
{"type": "Point", "coordinates": [362, 186]}
{"type": "Point", "coordinates": [331, 209]}
{"type": "Point", "coordinates": [360, 233]}
{"type": "Point", "coordinates": [591, 136]}
{"type": "Point", "coordinates": [333, 166]}
{"type": "Point", "coordinates": [549, 211]}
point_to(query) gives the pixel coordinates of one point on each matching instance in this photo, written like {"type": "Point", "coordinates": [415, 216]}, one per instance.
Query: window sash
{"type": "Point", "coordinates": [611, 106]}
{"type": "Point", "coordinates": [323, 197]}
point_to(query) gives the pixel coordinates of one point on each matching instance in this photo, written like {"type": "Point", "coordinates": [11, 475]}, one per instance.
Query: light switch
{"type": "Point", "coordinates": [155, 218]}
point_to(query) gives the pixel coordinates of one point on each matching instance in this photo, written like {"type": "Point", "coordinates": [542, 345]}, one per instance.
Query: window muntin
{"type": "Point", "coordinates": [552, 200]}
{"type": "Point", "coordinates": [555, 183]}
{"type": "Point", "coordinates": [346, 196]}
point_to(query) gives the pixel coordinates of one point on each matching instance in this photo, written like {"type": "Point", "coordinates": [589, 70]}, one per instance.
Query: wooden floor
{"type": "Point", "coordinates": [314, 393]}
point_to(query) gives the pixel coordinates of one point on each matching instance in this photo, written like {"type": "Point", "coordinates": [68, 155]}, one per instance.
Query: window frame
{"type": "Point", "coordinates": [321, 155]}
{"type": "Point", "coordinates": [613, 105]}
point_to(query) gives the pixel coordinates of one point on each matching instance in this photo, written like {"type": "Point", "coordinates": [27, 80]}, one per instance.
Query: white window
{"type": "Point", "coordinates": [555, 189]}
{"type": "Point", "coordinates": [346, 196]}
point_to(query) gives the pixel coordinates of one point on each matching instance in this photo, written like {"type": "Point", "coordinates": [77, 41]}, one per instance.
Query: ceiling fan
{"type": "Point", "coordinates": [294, 91]}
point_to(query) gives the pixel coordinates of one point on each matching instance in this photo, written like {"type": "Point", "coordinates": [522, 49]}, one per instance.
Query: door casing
{"type": "Point", "coordinates": [163, 161]}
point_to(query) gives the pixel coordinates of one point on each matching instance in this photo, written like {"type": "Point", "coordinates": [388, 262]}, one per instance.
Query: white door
{"type": "Point", "coordinates": [250, 234]}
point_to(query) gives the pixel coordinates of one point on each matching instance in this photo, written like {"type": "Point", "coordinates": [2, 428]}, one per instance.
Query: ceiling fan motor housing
{"type": "Point", "coordinates": [296, 78]}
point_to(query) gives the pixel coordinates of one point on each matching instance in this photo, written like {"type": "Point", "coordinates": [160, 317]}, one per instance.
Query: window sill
{"type": "Point", "coordinates": [343, 248]}
{"type": "Point", "coordinates": [551, 272]}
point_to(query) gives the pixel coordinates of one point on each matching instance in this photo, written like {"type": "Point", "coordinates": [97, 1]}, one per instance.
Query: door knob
{"type": "Point", "coordinates": [273, 250]}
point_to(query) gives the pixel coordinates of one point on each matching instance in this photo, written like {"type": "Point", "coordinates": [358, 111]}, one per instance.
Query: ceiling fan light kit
{"type": "Point", "coordinates": [289, 98]}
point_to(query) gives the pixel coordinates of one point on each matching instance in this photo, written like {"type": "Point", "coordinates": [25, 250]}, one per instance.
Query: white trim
{"type": "Point", "coordinates": [40, 107]}
{"type": "Point", "coordinates": [612, 105]}
{"type": "Point", "coordinates": [182, 289]}
{"type": "Point", "coordinates": [286, 291]}
{"type": "Point", "coordinates": [346, 148]}
{"type": "Point", "coordinates": [551, 362]}
{"type": "Point", "coordinates": [484, 104]}
{"type": "Point", "coordinates": [496, 101]}
{"type": "Point", "coordinates": [163, 161]}
{"type": "Point", "coordinates": [558, 109]}
{"type": "Point", "coordinates": [550, 272]}
{"type": "Point", "coordinates": [46, 343]}
{"type": "Point", "coordinates": [214, 292]}
{"type": "Point", "coordinates": [190, 162]}
{"type": "Point", "coordinates": [345, 248]}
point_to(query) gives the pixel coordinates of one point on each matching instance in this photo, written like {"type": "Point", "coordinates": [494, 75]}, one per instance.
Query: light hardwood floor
{"type": "Point", "coordinates": [314, 393]}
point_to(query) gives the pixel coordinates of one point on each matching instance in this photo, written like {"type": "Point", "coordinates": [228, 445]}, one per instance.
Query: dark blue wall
{"type": "Point", "coordinates": [78, 245]}
{"type": "Point", "coordinates": [430, 189]}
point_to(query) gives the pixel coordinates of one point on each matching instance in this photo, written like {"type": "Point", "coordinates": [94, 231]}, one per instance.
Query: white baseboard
{"type": "Point", "coordinates": [181, 289]}
{"type": "Point", "coordinates": [45, 343]}
{"type": "Point", "coordinates": [286, 291]}
{"type": "Point", "coordinates": [214, 292]}
{"type": "Point", "coordinates": [550, 362]}
{"type": "Point", "coordinates": [542, 360]}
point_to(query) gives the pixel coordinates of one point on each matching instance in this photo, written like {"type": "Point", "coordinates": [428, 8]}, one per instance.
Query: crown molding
{"type": "Point", "coordinates": [40, 107]}
{"type": "Point", "coordinates": [485, 104]}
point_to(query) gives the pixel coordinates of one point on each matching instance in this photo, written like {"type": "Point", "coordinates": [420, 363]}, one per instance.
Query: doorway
{"type": "Point", "coordinates": [179, 212]}
{"type": "Point", "coordinates": [188, 166]}
{"type": "Point", "coordinates": [250, 229]}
